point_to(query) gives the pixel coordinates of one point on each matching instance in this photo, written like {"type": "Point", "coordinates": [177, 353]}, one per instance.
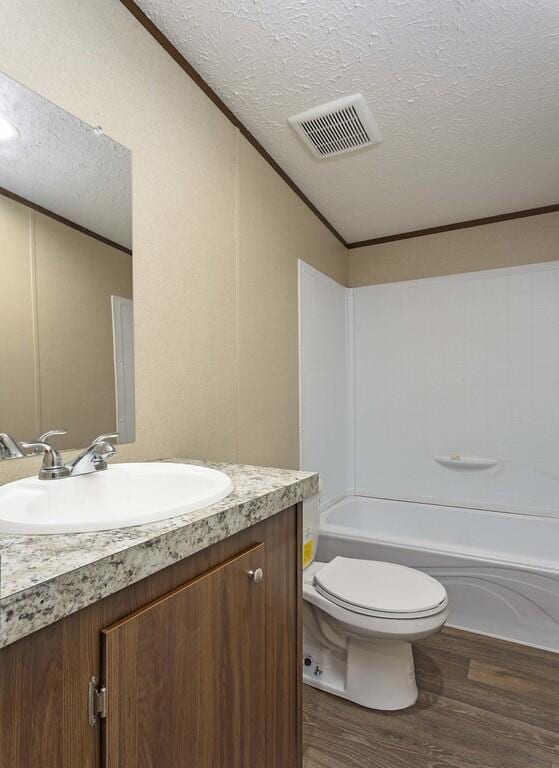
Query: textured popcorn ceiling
{"type": "Point", "coordinates": [465, 92]}
{"type": "Point", "coordinates": [61, 164]}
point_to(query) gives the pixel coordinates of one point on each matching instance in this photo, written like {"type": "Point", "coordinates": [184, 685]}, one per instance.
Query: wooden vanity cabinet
{"type": "Point", "coordinates": [186, 675]}
{"type": "Point", "coordinates": [201, 665]}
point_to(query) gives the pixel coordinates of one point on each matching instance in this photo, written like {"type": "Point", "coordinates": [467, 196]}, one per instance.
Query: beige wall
{"type": "Point", "coordinates": [75, 277]}
{"type": "Point", "coordinates": [18, 409]}
{"type": "Point", "coordinates": [274, 231]}
{"type": "Point", "coordinates": [506, 244]}
{"type": "Point", "coordinates": [56, 338]}
{"type": "Point", "coordinates": [216, 237]}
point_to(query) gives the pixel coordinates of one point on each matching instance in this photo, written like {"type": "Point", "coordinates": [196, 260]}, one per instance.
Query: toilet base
{"type": "Point", "coordinates": [375, 674]}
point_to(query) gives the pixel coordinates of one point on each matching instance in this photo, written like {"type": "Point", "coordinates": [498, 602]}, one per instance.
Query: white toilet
{"type": "Point", "coordinates": [360, 619]}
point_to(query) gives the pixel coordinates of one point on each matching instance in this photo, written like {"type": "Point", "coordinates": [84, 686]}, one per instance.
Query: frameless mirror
{"type": "Point", "coordinates": [66, 309]}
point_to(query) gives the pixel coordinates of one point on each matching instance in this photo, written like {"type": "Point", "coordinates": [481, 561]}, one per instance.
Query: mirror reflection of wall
{"type": "Point", "coordinates": [66, 329]}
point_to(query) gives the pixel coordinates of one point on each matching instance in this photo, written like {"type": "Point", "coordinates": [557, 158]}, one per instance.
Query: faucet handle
{"type": "Point", "coordinates": [52, 433]}
{"type": "Point", "coordinates": [102, 447]}
{"type": "Point", "coordinates": [44, 438]}
{"type": "Point", "coordinates": [103, 439]}
{"type": "Point", "coordinates": [53, 466]}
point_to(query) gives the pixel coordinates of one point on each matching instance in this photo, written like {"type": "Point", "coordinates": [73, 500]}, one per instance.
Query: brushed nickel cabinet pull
{"type": "Point", "coordinates": [257, 575]}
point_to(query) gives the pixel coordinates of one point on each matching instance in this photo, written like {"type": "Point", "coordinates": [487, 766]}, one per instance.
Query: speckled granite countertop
{"type": "Point", "coordinates": [45, 578]}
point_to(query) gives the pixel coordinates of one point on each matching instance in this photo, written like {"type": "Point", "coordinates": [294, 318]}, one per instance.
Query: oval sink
{"type": "Point", "coordinates": [119, 497]}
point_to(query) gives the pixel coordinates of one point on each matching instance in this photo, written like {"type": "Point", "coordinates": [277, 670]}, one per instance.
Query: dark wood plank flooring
{"type": "Point", "coordinates": [483, 703]}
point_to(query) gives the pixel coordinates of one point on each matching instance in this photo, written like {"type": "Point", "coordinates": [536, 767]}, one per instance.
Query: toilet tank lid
{"type": "Point", "coordinates": [380, 586]}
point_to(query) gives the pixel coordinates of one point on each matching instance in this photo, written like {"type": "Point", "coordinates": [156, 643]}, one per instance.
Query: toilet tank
{"type": "Point", "coordinates": [311, 523]}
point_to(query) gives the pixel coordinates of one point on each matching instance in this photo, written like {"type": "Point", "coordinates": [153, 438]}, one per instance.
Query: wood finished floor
{"type": "Point", "coordinates": [483, 703]}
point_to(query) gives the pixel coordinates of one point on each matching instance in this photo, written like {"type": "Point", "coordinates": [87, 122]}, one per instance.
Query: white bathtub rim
{"type": "Point", "coordinates": [347, 494]}
{"type": "Point", "coordinates": [546, 513]}
{"type": "Point", "coordinates": [477, 556]}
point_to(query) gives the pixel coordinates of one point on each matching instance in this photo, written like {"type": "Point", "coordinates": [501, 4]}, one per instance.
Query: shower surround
{"type": "Point", "coordinates": [431, 410]}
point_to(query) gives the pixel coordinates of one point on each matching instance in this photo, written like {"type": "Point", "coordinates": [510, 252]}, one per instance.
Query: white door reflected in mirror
{"type": "Point", "coordinates": [123, 344]}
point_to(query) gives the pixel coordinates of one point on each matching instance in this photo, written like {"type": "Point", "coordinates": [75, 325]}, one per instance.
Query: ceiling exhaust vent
{"type": "Point", "coordinates": [340, 126]}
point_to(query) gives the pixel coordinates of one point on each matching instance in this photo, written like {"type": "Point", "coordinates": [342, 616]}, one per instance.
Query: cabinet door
{"type": "Point", "coordinates": [186, 675]}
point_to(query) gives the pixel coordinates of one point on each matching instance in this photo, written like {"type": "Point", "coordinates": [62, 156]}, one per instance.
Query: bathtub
{"type": "Point", "coordinates": [501, 570]}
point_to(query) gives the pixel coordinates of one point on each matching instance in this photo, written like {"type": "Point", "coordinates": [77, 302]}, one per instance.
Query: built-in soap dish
{"type": "Point", "coordinates": [457, 461]}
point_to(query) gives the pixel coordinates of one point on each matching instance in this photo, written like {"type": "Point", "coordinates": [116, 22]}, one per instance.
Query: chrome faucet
{"type": "Point", "coordinates": [94, 457]}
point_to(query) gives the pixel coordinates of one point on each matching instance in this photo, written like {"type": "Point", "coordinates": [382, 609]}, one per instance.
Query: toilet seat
{"type": "Point", "coordinates": [378, 589]}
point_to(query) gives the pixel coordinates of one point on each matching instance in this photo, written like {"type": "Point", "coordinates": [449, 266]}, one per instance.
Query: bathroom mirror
{"type": "Point", "coordinates": [66, 308]}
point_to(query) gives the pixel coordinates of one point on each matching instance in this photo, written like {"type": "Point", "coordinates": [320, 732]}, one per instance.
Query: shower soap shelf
{"type": "Point", "coordinates": [466, 462]}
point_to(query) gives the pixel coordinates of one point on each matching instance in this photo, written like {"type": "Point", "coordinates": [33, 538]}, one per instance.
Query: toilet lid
{"type": "Point", "coordinates": [368, 586]}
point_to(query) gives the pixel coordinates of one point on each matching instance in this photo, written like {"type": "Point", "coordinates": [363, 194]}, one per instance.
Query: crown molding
{"type": "Point", "coordinates": [458, 225]}
{"type": "Point", "coordinates": [63, 220]}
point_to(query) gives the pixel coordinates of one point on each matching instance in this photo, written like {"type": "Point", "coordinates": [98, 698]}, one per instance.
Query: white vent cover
{"type": "Point", "coordinates": [340, 126]}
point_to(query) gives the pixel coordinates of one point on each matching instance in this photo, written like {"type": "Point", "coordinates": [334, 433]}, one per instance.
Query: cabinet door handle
{"type": "Point", "coordinates": [257, 575]}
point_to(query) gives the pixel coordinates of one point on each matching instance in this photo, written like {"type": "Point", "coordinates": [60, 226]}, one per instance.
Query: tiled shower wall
{"type": "Point", "coordinates": [395, 375]}
{"type": "Point", "coordinates": [465, 365]}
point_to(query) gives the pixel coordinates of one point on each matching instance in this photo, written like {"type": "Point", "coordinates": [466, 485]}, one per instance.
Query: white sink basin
{"type": "Point", "coordinates": [119, 497]}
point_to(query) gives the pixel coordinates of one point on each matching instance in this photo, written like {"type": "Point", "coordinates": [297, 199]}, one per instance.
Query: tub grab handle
{"type": "Point", "coordinates": [466, 462]}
